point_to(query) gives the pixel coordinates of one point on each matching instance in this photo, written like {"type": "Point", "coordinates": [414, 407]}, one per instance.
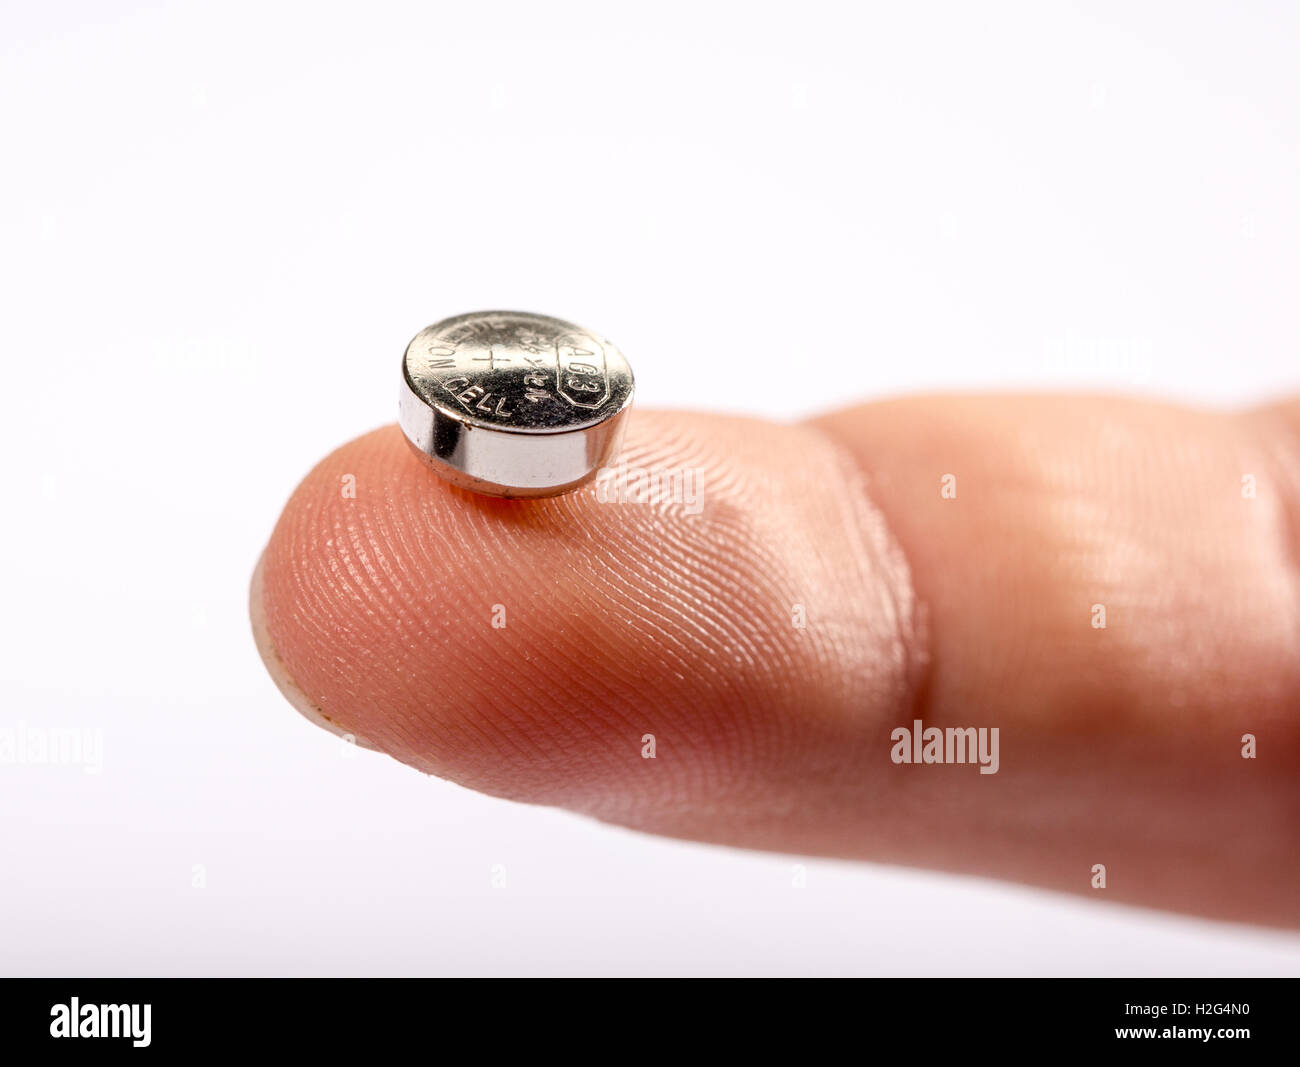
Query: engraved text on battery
{"type": "Point", "coordinates": [474, 398]}
{"type": "Point", "coordinates": [582, 375]}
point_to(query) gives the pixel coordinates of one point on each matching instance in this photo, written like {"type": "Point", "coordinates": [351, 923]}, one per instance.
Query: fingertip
{"type": "Point", "coordinates": [527, 648]}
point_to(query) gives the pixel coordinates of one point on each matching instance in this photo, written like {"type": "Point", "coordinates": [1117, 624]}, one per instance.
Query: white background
{"type": "Point", "coordinates": [219, 226]}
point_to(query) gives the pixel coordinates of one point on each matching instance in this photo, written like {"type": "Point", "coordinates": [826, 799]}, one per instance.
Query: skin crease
{"type": "Point", "coordinates": [1120, 746]}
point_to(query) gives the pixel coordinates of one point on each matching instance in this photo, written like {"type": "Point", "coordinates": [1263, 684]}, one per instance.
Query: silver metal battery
{"type": "Point", "coordinates": [513, 404]}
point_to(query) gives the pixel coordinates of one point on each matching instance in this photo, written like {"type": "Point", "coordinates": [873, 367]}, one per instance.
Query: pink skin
{"type": "Point", "coordinates": [1119, 746]}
